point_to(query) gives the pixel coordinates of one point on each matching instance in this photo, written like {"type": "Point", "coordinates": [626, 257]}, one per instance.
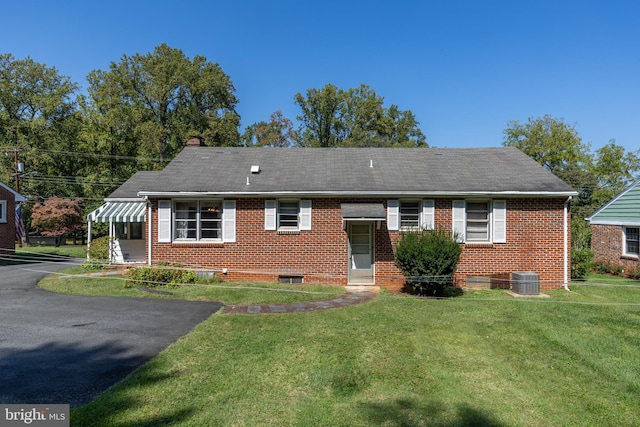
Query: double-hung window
{"type": "Point", "coordinates": [632, 241]}
{"type": "Point", "coordinates": [198, 220]}
{"type": "Point", "coordinates": [409, 215]}
{"type": "Point", "coordinates": [287, 215]}
{"type": "Point", "coordinates": [478, 227]}
{"type": "Point", "coordinates": [3, 211]}
{"type": "Point", "coordinates": [480, 221]}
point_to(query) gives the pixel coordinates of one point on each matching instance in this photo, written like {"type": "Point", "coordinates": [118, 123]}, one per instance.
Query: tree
{"type": "Point", "coordinates": [152, 103]}
{"type": "Point", "coordinates": [614, 170]}
{"type": "Point", "coordinates": [57, 217]}
{"type": "Point", "coordinates": [549, 141]}
{"type": "Point", "coordinates": [332, 117]}
{"type": "Point", "coordinates": [278, 132]}
{"type": "Point", "coordinates": [38, 117]}
{"type": "Point", "coordinates": [558, 147]}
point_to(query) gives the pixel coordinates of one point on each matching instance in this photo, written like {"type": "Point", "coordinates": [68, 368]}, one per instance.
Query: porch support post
{"type": "Point", "coordinates": [149, 235]}
{"type": "Point", "coordinates": [110, 242]}
{"type": "Point", "coordinates": [89, 240]}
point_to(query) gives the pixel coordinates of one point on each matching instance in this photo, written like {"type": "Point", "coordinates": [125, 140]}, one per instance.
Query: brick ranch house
{"type": "Point", "coordinates": [8, 200]}
{"type": "Point", "coordinates": [615, 230]}
{"type": "Point", "coordinates": [332, 215]}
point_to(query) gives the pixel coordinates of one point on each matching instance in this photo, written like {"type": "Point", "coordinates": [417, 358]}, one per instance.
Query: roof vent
{"type": "Point", "coordinates": [371, 163]}
{"type": "Point", "coordinates": [255, 169]}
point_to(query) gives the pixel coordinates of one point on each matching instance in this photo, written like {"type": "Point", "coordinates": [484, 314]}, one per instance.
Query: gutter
{"type": "Point", "coordinates": [348, 193]}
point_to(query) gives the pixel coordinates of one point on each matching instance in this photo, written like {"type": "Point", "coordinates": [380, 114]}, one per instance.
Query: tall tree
{"type": "Point", "coordinates": [277, 132]}
{"type": "Point", "coordinates": [614, 169]}
{"type": "Point", "coordinates": [549, 141]}
{"type": "Point", "coordinates": [39, 119]}
{"type": "Point", "coordinates": [559, 148]}
{"type": "Point", "coordinates": [156, 101]}
{"type": "Point", "coordinates": [356, 117]}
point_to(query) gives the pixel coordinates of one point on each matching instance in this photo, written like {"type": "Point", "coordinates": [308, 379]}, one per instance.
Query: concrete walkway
{"type": "Point", "coordinates": [351, 297]}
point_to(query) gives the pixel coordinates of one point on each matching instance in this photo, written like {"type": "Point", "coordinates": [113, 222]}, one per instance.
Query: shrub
{"type": "Point", "coordinates": [428, 258]}
{"type": "Point", "coordinates": [99, 249]}
{"type": "Point", "coordinates": [634, 273]}
{"type": "Point", "coordinates": [602, 267]}
{"type": "Point", "coordinates": [581, 261]}
{"type": "Point", "coordinates": [162, 275]}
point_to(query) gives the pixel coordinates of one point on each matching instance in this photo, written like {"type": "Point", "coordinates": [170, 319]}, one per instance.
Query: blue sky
{"type": "Point", "coordinates": [464, 68]}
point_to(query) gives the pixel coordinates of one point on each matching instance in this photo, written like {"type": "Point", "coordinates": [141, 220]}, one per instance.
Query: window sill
{"type": "Point", "coordinates": [479, 244]}
{"type": "Point", "coordinates": [630, 257]}
{"type": "Point", "coordinates": [285, 231]}
{"type": "Point", "coordinates": [196, 244]}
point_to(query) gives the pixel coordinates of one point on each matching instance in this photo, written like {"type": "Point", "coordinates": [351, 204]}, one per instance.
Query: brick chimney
{"type": "Point", "coordinates": [195, 141]}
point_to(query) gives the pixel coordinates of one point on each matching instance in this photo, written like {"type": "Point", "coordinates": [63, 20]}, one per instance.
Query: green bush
{"type": "Point", "coordinates": [162, 275]}
{"type": "Point", "coordinates": [99, 249]}
{"type": "Point", "coordinates": [581, 261]}
{"type": "Point", "coordinates": [428, 259]}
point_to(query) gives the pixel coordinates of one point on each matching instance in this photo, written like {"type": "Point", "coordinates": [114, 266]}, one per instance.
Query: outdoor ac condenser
{"type": "Point", "coordinates": [525, 283]}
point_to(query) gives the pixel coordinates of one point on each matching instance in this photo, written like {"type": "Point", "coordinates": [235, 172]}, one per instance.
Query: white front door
{"type": "Point", "coordinates": [360, 252]}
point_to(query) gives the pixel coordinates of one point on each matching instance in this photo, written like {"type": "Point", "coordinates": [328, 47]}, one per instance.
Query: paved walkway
{"type": "Point", "coordinates": [352, 297]}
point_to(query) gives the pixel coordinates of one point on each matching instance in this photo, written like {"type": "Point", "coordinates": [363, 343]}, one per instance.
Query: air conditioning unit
{"type": "Point", "coordinates": [525, 283]}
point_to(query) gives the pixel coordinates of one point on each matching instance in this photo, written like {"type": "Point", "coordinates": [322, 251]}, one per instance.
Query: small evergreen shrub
{"type": "Point", "coordinates": [581, 261]}
{"type": "Point", "coordinates": [428, 258]}
{"type": "Point", "coordinates": [162, 275]}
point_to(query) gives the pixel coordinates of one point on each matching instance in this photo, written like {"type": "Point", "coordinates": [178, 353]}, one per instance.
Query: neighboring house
{"type": "Point", "coordinates": [332, 215]}
{"type": "Point", "coordinates": [8, 201]}
{"type": "Point", "coordinates": [615, 230]}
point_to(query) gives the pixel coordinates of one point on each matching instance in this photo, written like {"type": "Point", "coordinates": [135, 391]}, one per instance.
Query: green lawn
{"type": "Point", "coordinates": [484, 359]}
{"type": "Point", "coordinates": [30, 254]}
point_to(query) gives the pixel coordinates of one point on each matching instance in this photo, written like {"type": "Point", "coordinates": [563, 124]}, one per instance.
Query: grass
{"type": "Point", "coordinates": [227, 293]}
{"type": "Point", "coordinates": [484, 359]}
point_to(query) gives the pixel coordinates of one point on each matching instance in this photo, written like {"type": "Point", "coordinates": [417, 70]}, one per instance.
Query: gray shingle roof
{"type": "Point", "coordinates": [349, 171]}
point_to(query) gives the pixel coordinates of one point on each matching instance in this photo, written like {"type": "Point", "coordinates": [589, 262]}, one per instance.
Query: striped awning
{"type": "Point", "coordinates": [119, 212]}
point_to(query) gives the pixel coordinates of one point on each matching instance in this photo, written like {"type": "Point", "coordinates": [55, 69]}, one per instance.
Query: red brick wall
{"type": "Point", "coordinates": [607, 244]}
{"type": "Point", "coordinates": [534, 243]}
{"type": "Point", "coordinates": [8, 229]}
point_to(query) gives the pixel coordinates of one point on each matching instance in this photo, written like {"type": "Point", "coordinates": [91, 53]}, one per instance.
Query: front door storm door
{"type": "Point", "coordinates": [360, 252]}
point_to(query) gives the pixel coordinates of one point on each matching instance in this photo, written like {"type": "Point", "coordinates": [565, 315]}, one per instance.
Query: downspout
{"type": "Point", "coordinates": [149, 229]}
{"type": "Point", "coordinates": [565, 283]}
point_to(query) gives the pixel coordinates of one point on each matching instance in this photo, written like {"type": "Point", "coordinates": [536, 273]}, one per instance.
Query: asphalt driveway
{"type": "Point", "coordinates": [58, 348]}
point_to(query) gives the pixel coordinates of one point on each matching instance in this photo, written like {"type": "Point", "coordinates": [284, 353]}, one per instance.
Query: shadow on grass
{"type": "Point", "coordinates": [409, 413]}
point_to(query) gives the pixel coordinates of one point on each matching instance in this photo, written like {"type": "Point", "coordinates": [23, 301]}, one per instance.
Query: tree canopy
{"type": "Point", "coordinates": [152, 103]}
{"type": "Point", "coordinates": [332, 117]}
{"type": "Point", "coordinates": [558, 147]}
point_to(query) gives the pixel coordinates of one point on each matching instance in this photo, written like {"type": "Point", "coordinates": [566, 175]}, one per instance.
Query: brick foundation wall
{"type": "Point", "coordinates": [534, 243]}
{"type": "Point", "coordinates": [8, 229]}
{"type": "Point", "coordinates": [607, 244]}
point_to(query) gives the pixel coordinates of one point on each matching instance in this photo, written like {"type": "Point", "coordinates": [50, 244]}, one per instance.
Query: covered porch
{"type": "Point", "coordinates": [126, 221]}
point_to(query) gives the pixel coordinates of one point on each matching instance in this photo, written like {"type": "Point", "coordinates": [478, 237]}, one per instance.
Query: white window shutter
{"type": "Point", "coordinates": [229, 221]}
{"type": "Point", "coordinates": [393, 214]}
{"type": "Point", "coordinates": [459, 219]}
{"type": "Point", "coordinates": [427, 220]}
{"type": "Point", "coordinates": [164, 221]}
{"type": "Point", "coordinates": [305, 215]}
{"type": "Point", "coordinates": [499, 221]}
{"type": "Point", "coordinates": [270, 214]}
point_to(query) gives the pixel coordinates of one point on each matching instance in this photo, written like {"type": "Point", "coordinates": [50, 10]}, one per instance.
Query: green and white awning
{"type": "Point", "coordinates": [119, 212]}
